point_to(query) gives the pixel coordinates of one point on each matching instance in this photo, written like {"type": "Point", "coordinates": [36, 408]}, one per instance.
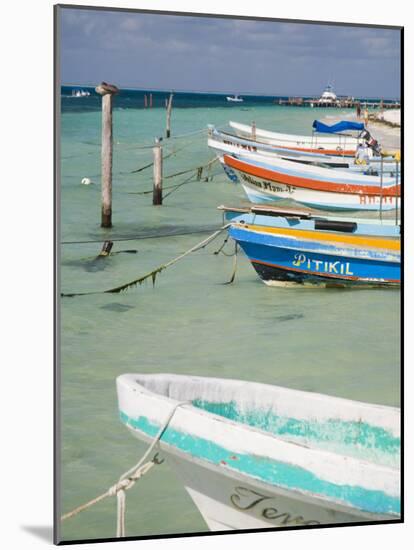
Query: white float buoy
{"type": "Point", "coordinates": [86, 181]}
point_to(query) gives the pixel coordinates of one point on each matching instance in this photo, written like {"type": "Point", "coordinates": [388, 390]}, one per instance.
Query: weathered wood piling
{"type": "Point", "coordinates": [169, 109]}
{"type": "Point", "coordinates": [106, 249]}
{"type": "Point", "coordinates": [254, 130]}
{"type": "Point", "coordinates": [107, 91]}
{"type": "Point", "coordinates": [157, 186]}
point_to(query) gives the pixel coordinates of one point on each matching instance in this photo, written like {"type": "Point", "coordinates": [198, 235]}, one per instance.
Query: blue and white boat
{"type": "Point", "coordinates": [266, 180]}
{"type": "Point", "coordinates": [369, 163]}
{"type": "Point", "coordinates": [254, 455]}
{"type": "Point", "coordinates": [337, 143]}
{"type": "Point", "coordinates": [288, 247]}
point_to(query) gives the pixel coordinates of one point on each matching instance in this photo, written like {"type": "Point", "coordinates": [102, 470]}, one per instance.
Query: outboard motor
{"type": "Point", "coordinates": [370, 141]}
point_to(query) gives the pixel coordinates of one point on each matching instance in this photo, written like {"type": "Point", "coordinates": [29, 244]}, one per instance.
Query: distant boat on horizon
{"type": "Point", "coordinates": [80, 93]}
{"type": "Point", "coordinates": [234, 98]}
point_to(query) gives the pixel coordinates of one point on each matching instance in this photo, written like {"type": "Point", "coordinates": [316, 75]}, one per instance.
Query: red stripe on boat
{"type": "Point", "coordinates": [298, 181]}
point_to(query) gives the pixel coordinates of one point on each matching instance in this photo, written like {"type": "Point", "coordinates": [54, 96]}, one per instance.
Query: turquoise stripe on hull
{"type": "Point", "coordinates": [270, 471]}
{"type": "Point", "coordinates": [356, 439]}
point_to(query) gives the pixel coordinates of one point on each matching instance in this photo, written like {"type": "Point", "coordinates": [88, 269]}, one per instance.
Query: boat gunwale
{"type": "Point", "coordinates": [298, 138]}
{"type": "Point", "coordinates": [346, 244]}
{"type": "Point", "coordinates": [267, 149]}
{"type": "Point", "coordinates": [189, 407]}
{"type": "Point", "coordinates": [301, 214]}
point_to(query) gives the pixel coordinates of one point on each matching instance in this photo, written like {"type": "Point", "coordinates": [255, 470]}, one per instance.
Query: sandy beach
{"type": "Point", "coordinates": [391, 117]}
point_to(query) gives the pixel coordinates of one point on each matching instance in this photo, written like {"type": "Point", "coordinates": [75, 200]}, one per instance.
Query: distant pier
{"type": "Point", "coordinates": [339, 103]}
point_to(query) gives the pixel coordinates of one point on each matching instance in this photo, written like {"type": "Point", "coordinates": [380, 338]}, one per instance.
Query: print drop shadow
{"type": "Point", "coordinates": [43, 532]}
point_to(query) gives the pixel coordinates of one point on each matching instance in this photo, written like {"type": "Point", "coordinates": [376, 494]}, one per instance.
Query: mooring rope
{"type": "Point", "coordinates": [174, 188]}
{"type": "Point", "coordinates": [172, 153]}
{"type": "Point", "coordinates": [153, 274]}
{"type": "Point", "coordinates": [221, 249]}
{"type": "Point", "coordinates": [198, 170]}
{"type": "Point", "coordinates": [195, 132]}
{"type": "Point", "coordinates": [222, 246]}
{"type": "Point", "coordinates": [128, 479]}
{"type": "Point", "coordinates": [142, 237]}
{"type": "Point", "coordinates": [233, 275]}
{"type": "Point", "coordinates": [138, 145]}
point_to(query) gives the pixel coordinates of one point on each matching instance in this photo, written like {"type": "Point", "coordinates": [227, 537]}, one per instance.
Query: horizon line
{"type": "Point", "coordinates": [215, 92]}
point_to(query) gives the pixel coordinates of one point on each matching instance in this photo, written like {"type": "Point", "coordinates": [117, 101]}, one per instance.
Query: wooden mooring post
{"type": "Point", "coordinates": [157, 187]}
{"type": "Point", "coordinates": [169, 109]}
{"type": "Point", "coordinates": [254, 130]}
{"type": "Point", "coordinates": [106, 249]}
{"type": "Point", "coordinates": [107, 91]}
{"type": "Point", "coordinates": [150, 101]}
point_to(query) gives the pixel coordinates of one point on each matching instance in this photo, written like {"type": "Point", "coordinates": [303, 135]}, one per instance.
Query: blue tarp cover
{"type": "Point", "coordinates": [338, 127]}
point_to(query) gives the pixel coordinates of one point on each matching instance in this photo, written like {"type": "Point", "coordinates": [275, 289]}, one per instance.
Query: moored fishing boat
{"type": "Point", "coordinates": [223, 142]}
{"type": "Point", "coordinates": [254, 455]}
{"type": "Point", "coordinates": [337, 143]}
{"type": "Point", "coordinates": [369, 164]}
{"type": "Point", "coordinates": [266, 180]}
{"type": "Point", "coordinates": [291, 247]}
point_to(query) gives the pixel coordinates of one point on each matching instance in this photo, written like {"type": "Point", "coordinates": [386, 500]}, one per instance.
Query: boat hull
{"type": "Point", "coordinates": [343, 191]}
{"type": "Point", "coordinates": [253, 455]}
{"type": "Point", "coordinates": [266, 192]}
{"type": "Point", "coordinates": [290, 257]}
{"type": "Point", "coordinates": [338, 144]}
{"type": "Point", "coordinates": [228, 501]}
{"type": "Point", "coordinates": [226, 143]}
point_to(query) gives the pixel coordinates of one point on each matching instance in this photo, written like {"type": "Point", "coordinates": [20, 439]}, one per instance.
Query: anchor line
{"type": "Point", "coordinates": [152, 274]}
{"type": "Point", "coordinates": [141, 237]}
{"type": "Point", "coordinates": [138, 145]}
{"type": "Point", "coordinates": [221, 246]}
{"type": "Point", "coordinates": [175, 187]}
{"type": "Point", "coordinates": [128, 479]}
{"type": "Point", "coordinates": [172, 153]}
{"type": "Point", "coordinates": [198, 170]}
{"type": "Point", "coordinates": [221, 249]}
{"type": "Point", "coordinates": [233, 275]}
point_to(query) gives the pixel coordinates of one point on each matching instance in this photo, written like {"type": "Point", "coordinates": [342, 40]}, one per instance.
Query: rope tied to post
{"type": "Point", "coordinates": [128, 479]}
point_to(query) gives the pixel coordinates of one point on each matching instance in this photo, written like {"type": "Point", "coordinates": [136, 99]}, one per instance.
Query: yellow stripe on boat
{"type": "Point", "coordinates": [358, 240]}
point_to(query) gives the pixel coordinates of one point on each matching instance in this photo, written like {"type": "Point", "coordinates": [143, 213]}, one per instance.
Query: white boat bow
{"type": "Point", "coordinates": [253, 455]}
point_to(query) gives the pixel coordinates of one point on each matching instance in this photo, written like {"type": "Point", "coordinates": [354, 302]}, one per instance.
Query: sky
{"type": "Point", "coordinates": [182, 53]}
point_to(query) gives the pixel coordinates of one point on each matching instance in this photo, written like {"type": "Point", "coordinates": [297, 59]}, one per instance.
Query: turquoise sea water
{"type": "Point", "coordinates": [339, 342]}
